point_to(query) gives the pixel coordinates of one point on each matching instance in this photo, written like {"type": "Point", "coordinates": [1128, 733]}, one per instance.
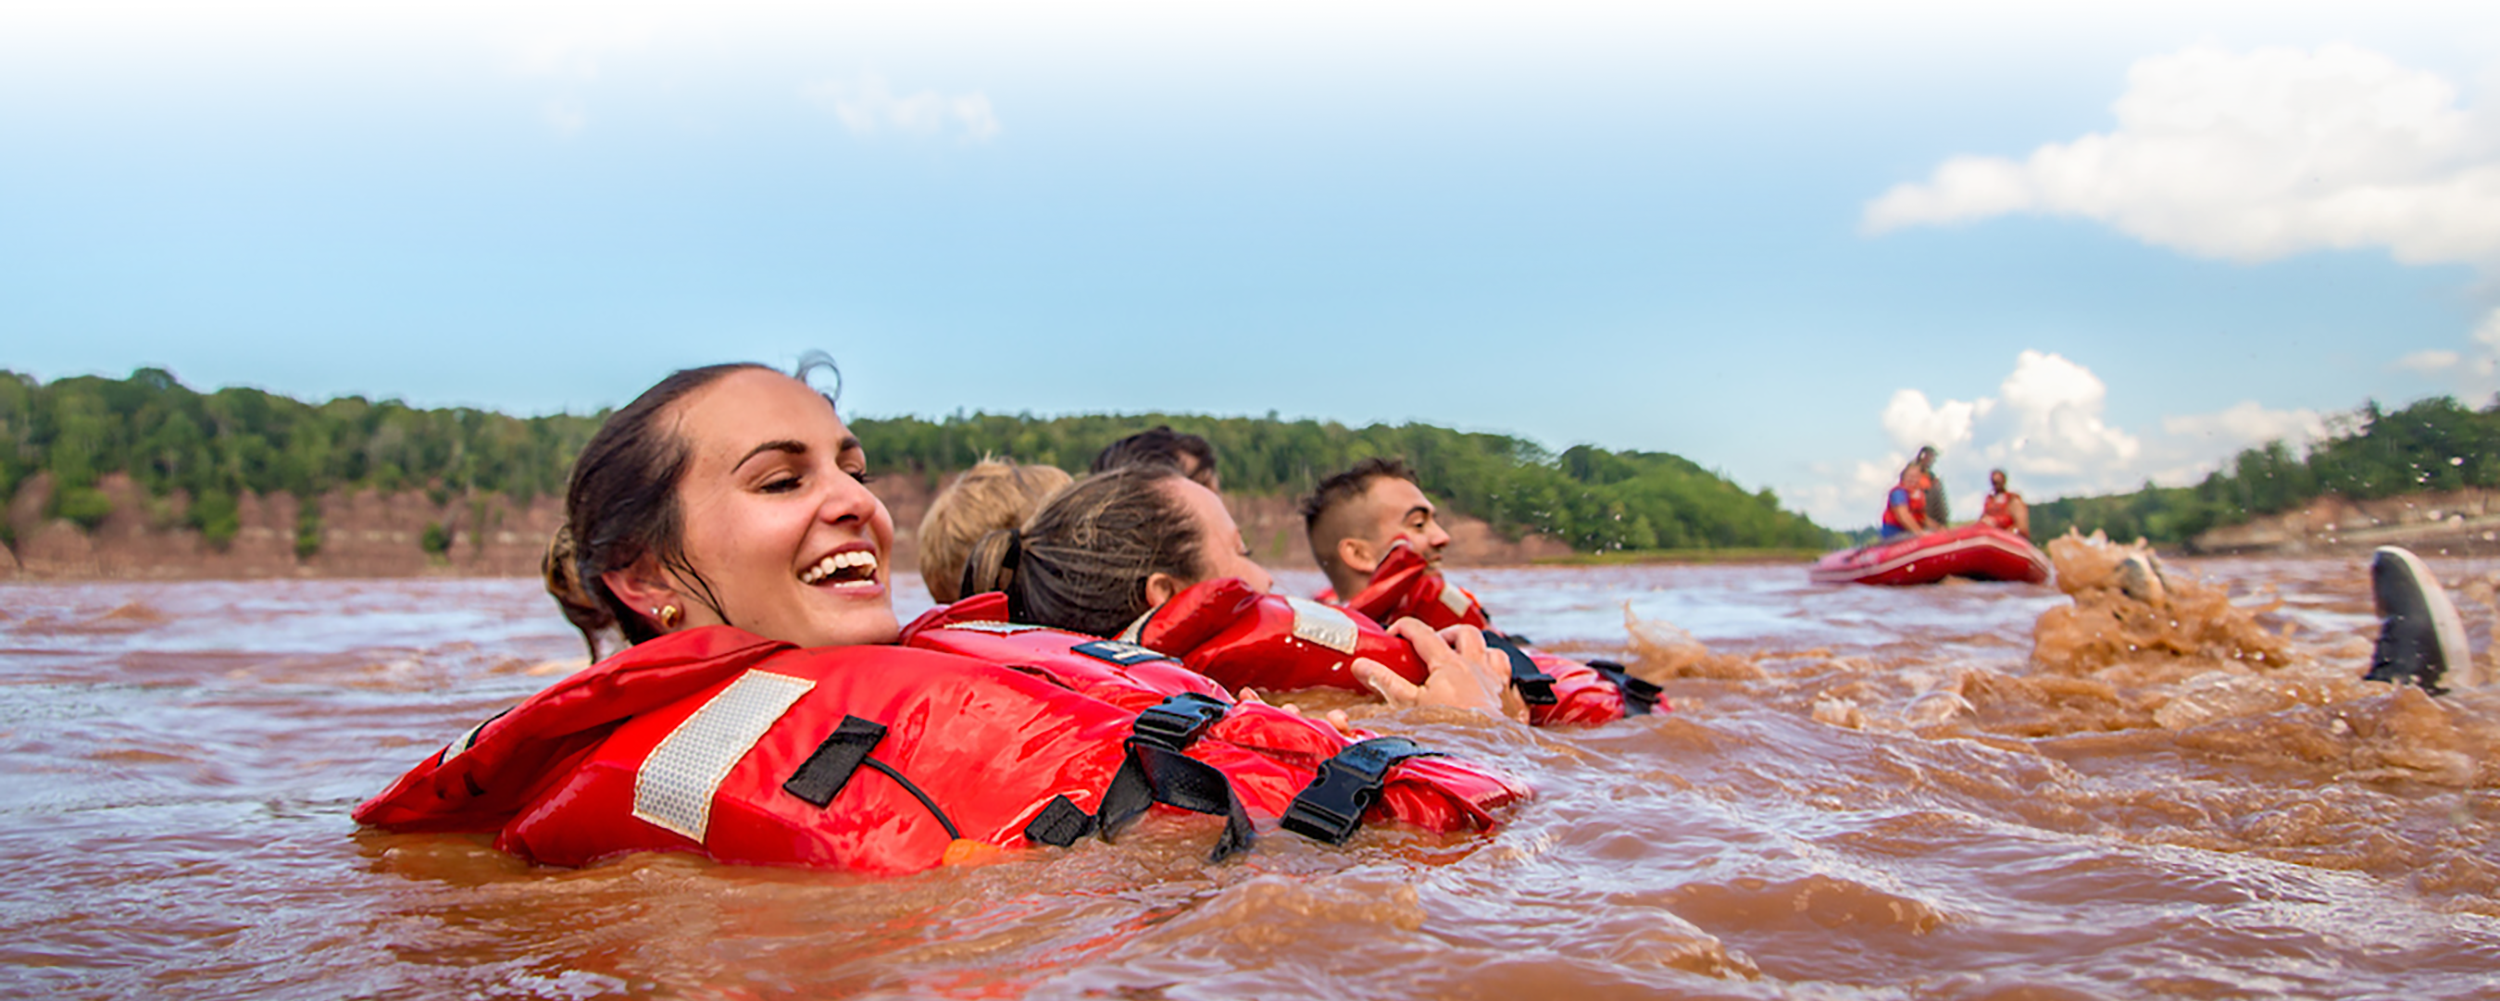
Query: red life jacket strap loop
{"type": "Point", "coordinates": [1639, 697]}
{"type": "Point", "coordinates": [823, 775]}
{"type": "Point", "coordinates": [1535, 687]}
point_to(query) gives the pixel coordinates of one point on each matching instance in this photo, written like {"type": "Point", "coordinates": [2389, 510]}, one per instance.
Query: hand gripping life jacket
{"type": "Point", "coordinates": [747, 750]}
{"type": "Point", "coordinates": [1405, 586]}
{"type": "Point", "coordinates": [1133, 676]}
{"type": "Point", "coordinates": [1243, 638]}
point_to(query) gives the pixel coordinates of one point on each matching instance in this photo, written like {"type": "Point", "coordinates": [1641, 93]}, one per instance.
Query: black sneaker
{"type": "Point", "coordinates": [2421, 637]}
{"type": "Point", "coordinates": [2140, 578]}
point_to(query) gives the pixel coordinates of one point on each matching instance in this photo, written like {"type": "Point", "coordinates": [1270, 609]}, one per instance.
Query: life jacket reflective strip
{"type": "Point", "coordinates": [1405, 585]}
{"type": "Point", "coordinates": [694, 741]}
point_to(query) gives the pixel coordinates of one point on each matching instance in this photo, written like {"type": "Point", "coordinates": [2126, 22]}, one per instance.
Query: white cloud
{"type": "Point", "coordinates": [2251, 156]}
{"type": "Point", "coordinates": [2432, 362]}
{"type": "Point", "coordinates": [868, 106]}
{"type": "Point", "coordinates": [2257, 155]}
{"type": "Point", "coordinates": [2047, 427]}
{"type": "Point", "coordinates": [565, 116]}
{"type": "Point", "coordinates": [1913, 422]}
{"type": "Point", "coordinates": [578, 31]}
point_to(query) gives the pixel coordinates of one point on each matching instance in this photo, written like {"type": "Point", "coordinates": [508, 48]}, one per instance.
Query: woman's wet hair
{"type": "Point", "coordinates": [620, 506]}
{"type": "Point", "coordinates": [1081, 562]}
{"type": "Point", "coordinates": [994, 494]}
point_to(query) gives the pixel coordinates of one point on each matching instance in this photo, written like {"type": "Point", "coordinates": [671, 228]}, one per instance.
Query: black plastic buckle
{"type": "Point", "coordinates": [1331, 808]}
{"type": "Point", "coordinates": [1179, 720]}
{"type": "Point", "coordinates": [1535, 687]}
{"type": "Point", "coordinates": [1639, 697]}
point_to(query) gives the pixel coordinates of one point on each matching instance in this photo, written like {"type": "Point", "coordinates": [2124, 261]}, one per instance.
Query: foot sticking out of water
{"type": "Point", "coordinates": [2420, 639]}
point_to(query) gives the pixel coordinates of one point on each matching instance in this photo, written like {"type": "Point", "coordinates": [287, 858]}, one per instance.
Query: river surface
{"type": "Point", "coordinates": [1862, 793]}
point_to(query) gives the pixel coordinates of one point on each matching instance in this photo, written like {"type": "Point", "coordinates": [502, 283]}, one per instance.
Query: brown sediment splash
{"type": "Point", "coordinates": [1662, 650]}
{"type": "Point", "coordinates": [2187, 627]}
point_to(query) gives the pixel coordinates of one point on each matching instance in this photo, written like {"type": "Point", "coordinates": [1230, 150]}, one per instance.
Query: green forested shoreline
{"type": "Point", "coordinates": [212, 447]}
{"type": "Point", "coordinates": [2431, 444]}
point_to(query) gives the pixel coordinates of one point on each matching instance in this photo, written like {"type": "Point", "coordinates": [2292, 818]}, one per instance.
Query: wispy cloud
{"type": "Point", "coordinates": [867, 106]}
{"type": "Point", "coordinates": [2251, 156]}
{"type": "Point", "coordinates": [566, 116]}
{"type": "Point", "coordinates": [573, 33]}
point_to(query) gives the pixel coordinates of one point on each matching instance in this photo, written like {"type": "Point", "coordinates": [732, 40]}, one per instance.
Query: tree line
{"type": "Point", "coordinates": [212, 447]}
{"type": "Point", "coordinates": [1591, 498]}
{"type": "Point", "coordinates": [2431, 444]}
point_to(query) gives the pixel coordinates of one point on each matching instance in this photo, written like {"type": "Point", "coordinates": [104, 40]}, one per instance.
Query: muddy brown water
{"type": "Point", "coordinates": [1863, 794]}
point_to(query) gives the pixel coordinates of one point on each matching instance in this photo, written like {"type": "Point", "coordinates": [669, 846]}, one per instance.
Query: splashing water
{"type": "Point", "coordinates": [1976, 792]}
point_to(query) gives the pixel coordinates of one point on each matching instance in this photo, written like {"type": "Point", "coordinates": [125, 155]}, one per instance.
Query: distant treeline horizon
{"type": "Point", "coordinates": [2371, 452]}
{"type": "Point", "coordinates": [213, 447]}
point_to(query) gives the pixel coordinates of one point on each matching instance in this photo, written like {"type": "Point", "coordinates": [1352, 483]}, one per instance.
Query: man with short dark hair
{"type": "Point", "coordinates": [1379, 540]}
{"type": "Point", "coordinates": [1186, 452]}
{"type": "Point", "coordinates": [1356, 516]}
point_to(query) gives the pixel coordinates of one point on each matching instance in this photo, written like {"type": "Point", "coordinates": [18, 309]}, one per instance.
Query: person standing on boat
{"type": "Point", "coordinates": [2004, 508]}
{"type": "Point", "coordinates": [1905, 509]}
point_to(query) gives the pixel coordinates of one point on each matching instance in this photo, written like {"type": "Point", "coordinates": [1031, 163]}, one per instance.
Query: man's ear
{"type": "Point", "coordinates": [1359, 555]}
{"type": "Point", "coordinates": [1160, 587]}
{"type": "Point", "coordinates": [643, 590]}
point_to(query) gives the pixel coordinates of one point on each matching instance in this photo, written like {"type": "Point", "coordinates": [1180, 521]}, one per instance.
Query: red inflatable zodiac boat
{"type": "Point", "coordinates": [1972, 552]}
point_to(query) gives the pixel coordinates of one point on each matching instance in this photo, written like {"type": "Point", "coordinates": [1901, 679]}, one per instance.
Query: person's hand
{"type": "Point", "coordinates": [1462, 671]}
{"type": "Point", "coordinates": [1335, 717]}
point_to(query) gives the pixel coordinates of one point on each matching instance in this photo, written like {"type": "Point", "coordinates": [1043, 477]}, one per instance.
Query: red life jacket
{"type": "Point", "coordinates": [1405, 586]}
{"type": "Point", "coordinates": [1917, 505]}
{"type": "Point", "coordinates": [1431, 793]}
{"type": "Point", "coordinates": [1997, 510]}
{"type": "Point", "coordinates": [1243, 638]}
{"type": "Point", "coordinates": [747, 750]}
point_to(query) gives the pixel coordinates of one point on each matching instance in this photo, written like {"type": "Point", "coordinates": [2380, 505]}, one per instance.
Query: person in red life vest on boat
{"type": "Point", "coordinates": [719, 530]}
{"type": "Point", "coordinates": [2004, 508]}
{"type": "Point", "coordinates": [1380, 541]}
{"type": "Point", "coordinates": [1905, 508]}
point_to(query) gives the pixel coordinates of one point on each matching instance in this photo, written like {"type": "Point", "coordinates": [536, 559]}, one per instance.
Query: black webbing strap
{"type": "Point", "coordinates": [1639, 697]}
{"type": "Point", "coordinates": [1155, 771]}
{"type": "Point", "coordinates": [821, 777]}
{"type": "Point", "coordinates": [1331, 808]}
{"type": "Point", "coordinates": [1535, 687]}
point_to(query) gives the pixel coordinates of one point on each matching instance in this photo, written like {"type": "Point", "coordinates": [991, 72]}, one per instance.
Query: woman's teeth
{"type": "Point", "coordinates": [843, 567]}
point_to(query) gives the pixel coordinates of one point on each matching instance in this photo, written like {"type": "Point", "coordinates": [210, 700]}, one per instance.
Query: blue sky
{"type": "Point", "coordinates": [2094, 243]}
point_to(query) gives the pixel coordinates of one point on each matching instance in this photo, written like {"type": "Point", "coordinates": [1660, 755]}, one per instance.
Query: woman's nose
{"type": "Point", "coordinates": [848, 500]}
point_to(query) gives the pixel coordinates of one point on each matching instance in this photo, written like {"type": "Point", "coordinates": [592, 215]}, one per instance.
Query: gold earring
{"type": "Point", "coordinates": [670, 616]}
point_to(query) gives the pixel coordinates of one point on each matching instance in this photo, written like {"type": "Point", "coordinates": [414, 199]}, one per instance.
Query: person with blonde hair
{"type": "Point", "coordinates": [993, 494]}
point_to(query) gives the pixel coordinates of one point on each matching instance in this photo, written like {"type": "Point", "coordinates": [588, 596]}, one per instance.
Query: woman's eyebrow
{"type": "Point", "coordinates": [787, 445]}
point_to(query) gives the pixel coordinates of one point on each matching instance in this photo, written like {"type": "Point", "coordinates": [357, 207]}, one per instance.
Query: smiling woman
{"type": "Point", "coordinates": [750, 469]}
{"type": "Point", "coordinates": [719, 527]}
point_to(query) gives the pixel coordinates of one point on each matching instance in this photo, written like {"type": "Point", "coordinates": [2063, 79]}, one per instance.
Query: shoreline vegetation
{"type": "Point", "coordinates": [143, 476]}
